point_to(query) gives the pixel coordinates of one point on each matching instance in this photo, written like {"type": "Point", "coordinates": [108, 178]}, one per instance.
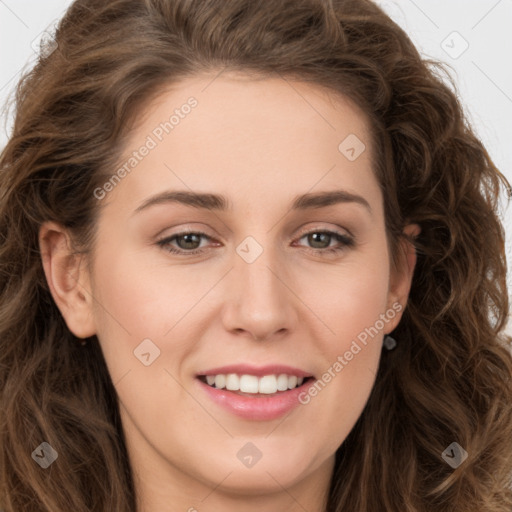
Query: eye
{"type": "Point", "coordinates": [189, 242]}
{"type": "Point", "coordinates": [321, 241]}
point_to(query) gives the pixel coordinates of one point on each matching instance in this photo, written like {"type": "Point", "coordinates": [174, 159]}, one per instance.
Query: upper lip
{"type": "Point", "coordinates": [259, 371]}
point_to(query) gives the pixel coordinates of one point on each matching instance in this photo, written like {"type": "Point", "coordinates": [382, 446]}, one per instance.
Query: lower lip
{"type": "Point", "coordinates": [258, 408]}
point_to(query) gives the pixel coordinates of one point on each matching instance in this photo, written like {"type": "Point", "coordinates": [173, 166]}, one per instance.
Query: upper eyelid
{"type": "Point", "coordinates": [303, 231]}
{"type": "Point", "coordinates": [314, 229]}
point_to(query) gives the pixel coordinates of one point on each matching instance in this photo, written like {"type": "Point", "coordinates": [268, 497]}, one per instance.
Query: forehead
{"type": "Point", "coordinates": [244, 137]}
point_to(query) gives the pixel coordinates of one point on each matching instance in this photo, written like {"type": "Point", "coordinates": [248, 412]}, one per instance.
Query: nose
{"type": "Point", "coordinates": [261, 300]}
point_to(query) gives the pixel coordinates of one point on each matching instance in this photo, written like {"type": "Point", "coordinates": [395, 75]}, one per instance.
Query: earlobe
{"type": "Point", "coordinates": [401, 277]}
{"type": "Point", "coordinates": [67, 279]}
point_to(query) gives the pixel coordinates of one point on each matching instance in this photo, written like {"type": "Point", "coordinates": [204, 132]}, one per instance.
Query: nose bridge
{"type": "Point", "coordinates": [259, 276]}
{"type": "Point", "coordinates": [262, 302]}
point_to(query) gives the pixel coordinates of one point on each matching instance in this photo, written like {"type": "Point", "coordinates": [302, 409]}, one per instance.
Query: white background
{"type": "Point", "coordinates": [441, 29]}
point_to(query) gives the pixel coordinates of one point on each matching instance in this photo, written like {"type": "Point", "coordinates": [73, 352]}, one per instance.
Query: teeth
{"type": "Point", "coordinates": [220, 381]}
{"type": "Point", "coordinates": [249, 384]}
{"type": "Point", "coordinates": [282, 382]}
{"type": "Point", "coordinates": [267, 385]}
{"type": "Point", "coordinates": [232, 382]}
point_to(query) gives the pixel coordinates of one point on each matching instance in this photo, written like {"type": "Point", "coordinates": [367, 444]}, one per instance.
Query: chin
{"type": "Point", "coordinates": [273, 471]}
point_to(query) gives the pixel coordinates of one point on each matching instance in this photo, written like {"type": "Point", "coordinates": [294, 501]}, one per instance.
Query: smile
{"type": "Point", "coordinates": [268, 384]}
{"type": "Point", "coordinates": [264, 397]}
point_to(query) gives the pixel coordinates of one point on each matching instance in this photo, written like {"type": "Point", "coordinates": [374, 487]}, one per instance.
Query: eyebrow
{"type": "Point", "coordinates": [221, 203]}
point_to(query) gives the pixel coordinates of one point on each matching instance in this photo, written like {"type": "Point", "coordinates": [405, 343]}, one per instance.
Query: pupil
{"type": "Point", "coordinates": [314, 236]}
{"type": "Point", "coordinates": [187, 238]}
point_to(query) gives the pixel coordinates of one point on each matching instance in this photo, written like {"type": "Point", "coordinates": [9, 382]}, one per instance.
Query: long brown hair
{"type": "Point", "coordinates": [448, 380]}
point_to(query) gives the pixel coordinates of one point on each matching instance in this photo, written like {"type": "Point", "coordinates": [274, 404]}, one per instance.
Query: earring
{"type": "Point", "coordinates": [389, 342]}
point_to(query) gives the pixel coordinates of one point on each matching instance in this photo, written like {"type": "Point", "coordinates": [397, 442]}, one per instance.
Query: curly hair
{"type": "Point", "coordinates": [450, 377]}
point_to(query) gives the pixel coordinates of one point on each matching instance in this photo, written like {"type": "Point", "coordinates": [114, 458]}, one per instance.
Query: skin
{"type": "Point", "coordinates": [260, 143]}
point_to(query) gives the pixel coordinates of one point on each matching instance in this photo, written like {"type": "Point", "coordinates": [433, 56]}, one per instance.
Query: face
{"type": "Point", "coordinates": [283, 281]}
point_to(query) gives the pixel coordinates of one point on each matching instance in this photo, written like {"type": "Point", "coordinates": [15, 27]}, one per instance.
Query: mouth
{"type": "Point", "coordinates": [254, 393]}
{"type": "Point", "coordinates": [255, 386]}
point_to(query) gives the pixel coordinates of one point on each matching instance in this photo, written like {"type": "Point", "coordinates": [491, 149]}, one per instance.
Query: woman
{"type": "Point", "coordinates": [331, 340]}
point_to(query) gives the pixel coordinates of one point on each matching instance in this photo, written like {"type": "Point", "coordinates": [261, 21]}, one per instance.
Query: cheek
{"type": "Point", "coordinates": [144, 300]}
{"type": "Point", "coordinates": [351, 300]}
{"type": "Point", "coordinates": [133, 303]}
{"type": "Point", "coordinates": [348, 296]}
{"type": "Point", "coordinates": [353, 307]}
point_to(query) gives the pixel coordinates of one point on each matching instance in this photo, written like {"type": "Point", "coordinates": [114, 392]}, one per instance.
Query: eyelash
{"type": "Point", "coordinates": [345, 240]}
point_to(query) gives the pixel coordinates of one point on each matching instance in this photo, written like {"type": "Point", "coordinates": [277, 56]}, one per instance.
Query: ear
{"type": "Point", "coordinates": [401, 276]}
{"type": "Point", "coordinates": [67, 280]}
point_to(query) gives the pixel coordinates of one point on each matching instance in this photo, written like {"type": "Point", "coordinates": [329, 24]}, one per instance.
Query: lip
{"type": "Point", "coordinates": [258, 371]}
{"type": "Point", "coordinates": [258, 407]}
